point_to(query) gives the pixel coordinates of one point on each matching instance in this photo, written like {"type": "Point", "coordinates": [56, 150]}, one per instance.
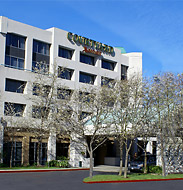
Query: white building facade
{"type": "Point", "coordinates": [86, 62]}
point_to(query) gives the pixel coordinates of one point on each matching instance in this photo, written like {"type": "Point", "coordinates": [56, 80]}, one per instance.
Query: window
{"type": "Point", "coordinates": [124, 72]}
{"type": "Point", "coordinates": [107, 82]}
{"type": "Point", "coordinates": [38, 112]}
{"type": "Point", "coordinates": [64, 93]}
{"type": "Point", "coordinates": [84, 115]}
{"type": "Point", "coordinates": [13, 109]}
{"type": "Point", "coordinates": [86, 59]}
{"type": "Point", "coordinates": [41, 90]}
{"type": "Point", "coordinates": [41, 47]}
{"type": "Point", "coordinates": [86, 97]}
{"type": "Point", "coordinates": [14, 62]}
{"type": "Point", "coordinates": [15, 51]}
{"type": "Point", "coordinates": [65, 53]}
{"type": "Point", "coordinates": [15, 86]}
{"type": "Point", "coordinates": [15, 41]}
{"type": "Point", "coordinates": [33, 153]}
{"type": "Point", "coordinates": [62, 149]}
{"type": "Point", "coordinates": [108, 65]}
{"type": "Point", "coordinates": [86, 78]}
{"type": "Point", "coordinates": [65, 73]}
{"type": "Point", "coordinates": [40, 67]}
{"type": "Point", "coordinates": [16, 149]}
{"type": "Point", "coordinates": [40, 57]}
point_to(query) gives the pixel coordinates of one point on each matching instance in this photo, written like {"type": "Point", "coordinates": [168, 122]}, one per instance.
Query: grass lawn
{"type": "Point", "coordinates": [29, 167]}
{"type": "Point", "coordinates": [135, 176]}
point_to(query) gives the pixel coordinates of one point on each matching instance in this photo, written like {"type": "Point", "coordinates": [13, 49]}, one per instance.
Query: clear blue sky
{"type": "Point", "coordinates": [153, 27]}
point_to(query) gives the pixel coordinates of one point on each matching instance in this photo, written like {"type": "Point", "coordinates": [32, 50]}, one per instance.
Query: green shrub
{"type": "Point", "coordinates": [62, 158]}
{"type": "Point", "coordinates": [59, 163]}
{"type": "Point", "coordinates": [3, 165]}
{"type": "Point", "coordinates": [154, 169]}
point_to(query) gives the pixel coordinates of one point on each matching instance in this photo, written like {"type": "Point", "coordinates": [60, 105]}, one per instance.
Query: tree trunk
{"type": "Point", "coordinates": [38, 153]}
{"type": "Point", "coordinates": [11, 154]}
{"type": "Point", "coordinates": [121, 158]}
{"type": "Point", "coordinates": [91, 164]}
{"type": "Point", "coordinates": [163, 161]}
{"type": "Point", "coordinates": [126, 165]}
{"type": "Point", "coordinates": [145, 162]}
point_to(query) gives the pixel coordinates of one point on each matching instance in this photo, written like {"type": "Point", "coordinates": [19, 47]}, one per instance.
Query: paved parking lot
{"type": "Point", "coordinates": [72, 180]}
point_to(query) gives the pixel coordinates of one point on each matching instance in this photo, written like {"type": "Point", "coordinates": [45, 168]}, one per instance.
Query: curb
{"type": "Point", "coordinates": [128, 181]}
{"type": "Point", "coordinates": [41, 170]}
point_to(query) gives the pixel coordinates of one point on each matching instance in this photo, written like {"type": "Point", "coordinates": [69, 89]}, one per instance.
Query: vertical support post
{"type": "Point", "coordinates": [51, 153]}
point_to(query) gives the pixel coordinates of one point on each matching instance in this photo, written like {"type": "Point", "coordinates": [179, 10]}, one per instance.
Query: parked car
{"type": "Point", "coordinates": [138, 163]}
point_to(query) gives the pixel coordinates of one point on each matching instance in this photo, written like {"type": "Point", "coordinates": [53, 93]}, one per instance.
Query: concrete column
{"type": "Point", "coordinates": [158, 155]}
{"type": "Point", "coordinates": [77, 159]}
{"type": "Point", "coordinates": [51, 152]}
{"type": "Point", "coordinates": [2, 47]}
{"type": "Point", "coordinates": [28, 53]}
{"type": "Point", "coordinates": [25, 150]}
{"type": "Point", "coordinates": [149, 147]}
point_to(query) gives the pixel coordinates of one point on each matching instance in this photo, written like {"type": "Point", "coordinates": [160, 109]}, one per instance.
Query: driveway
{"type": "Point", "coordinates": [72, 180]}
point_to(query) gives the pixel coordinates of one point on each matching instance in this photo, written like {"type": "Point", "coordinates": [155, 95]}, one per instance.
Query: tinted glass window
{"type": "Point", "coordinates": [40, 90]}
{"type": "Point", "coordinates": [107, 82]}
{"type": "Point", "coordinates": [7, 61]}
{"type": "Point", "coordinates": [108, 65]}
{"type": "Point", "coordinates": [15, 86]}
{"type": "Point", "coordinates": [64, 93]}
{"type": "Point", "coordinates": [39, 112]}
{"type": "Point", "coordinates": [65, 53]}
{"type": "Point", "coordinates": [12, 109]}
{"type": "Point", "coordinates": [40, 67]}
{"type": "Point", "coordinates": [65, 73]}
{"type": "Point", "coordinates": [84, 115]}
{"type": "Point", "coordinates": [14, 152]}
{"type": "Point", "coordinates": [87, 59]}
{"type": "Point", "coordinates": [14, 62]}
{"type": "Point", "coordinates": [33, 153]}
{"type": "Point", "coordinates": [41, 47]}
{"type": "Point", "coordinates": [124, 72]}
{"type": "Point", "coordinates": [86, 78]}
{"type": "Point", "coordinates": [15, 41]}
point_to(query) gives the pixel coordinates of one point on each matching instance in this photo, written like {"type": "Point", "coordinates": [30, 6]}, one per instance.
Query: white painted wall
{"type": "Point", "coordinates": [55, 37]}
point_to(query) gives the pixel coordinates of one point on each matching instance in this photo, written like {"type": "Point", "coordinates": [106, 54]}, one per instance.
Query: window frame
{"type": "Point", "coordinates": [20, 89]}
{"type": "Point", "coordinates": [85, 56]}
{"type": "Point", "coordinates": [35, 47]}
{"type": "Point", "coordinates": [65, 50]}
{"type": "Point", "coordinates": [87, 74]}
{"type": "Point", "coordinates": [14, 112]}
{"type": "Point", "coordinates": [124, 74]}
{"type": "Point", "coordinates": [107, 82]}
{"type": "Point", "coordinates": [10, 61]}
{"type": "Point", "coordinates": [111, 64]}
{"type": "Point", "coordinates": [62, 96]}
{"type": "Point", "coordinates": [62, 70]}
{"type": "Point", "coordinates": [9, 41]}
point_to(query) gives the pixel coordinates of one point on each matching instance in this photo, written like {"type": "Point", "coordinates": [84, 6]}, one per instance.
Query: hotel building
{"type": "Point", "coordinates": [86, 62]}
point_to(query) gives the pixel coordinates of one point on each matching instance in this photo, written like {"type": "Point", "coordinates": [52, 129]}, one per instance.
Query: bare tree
{"type": "Point", "coordinates": [13, 125]}
{"type": "Point", "coordinates": [126, 115]}
{"type": "Point", "coordinates": [88, 122]}
{"type": "Point", "coordinates": [179, 101]}
{"type": "Point", "coordinates": [43, 95]}
{"type": "Point", "coordinates": [163, 96]}
{"type": "Point", "coordinates": [145, 127]}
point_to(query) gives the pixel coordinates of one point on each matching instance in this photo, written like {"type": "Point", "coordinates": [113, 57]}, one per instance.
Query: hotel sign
{"type": "Point", "coordinates": [90, 46]}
